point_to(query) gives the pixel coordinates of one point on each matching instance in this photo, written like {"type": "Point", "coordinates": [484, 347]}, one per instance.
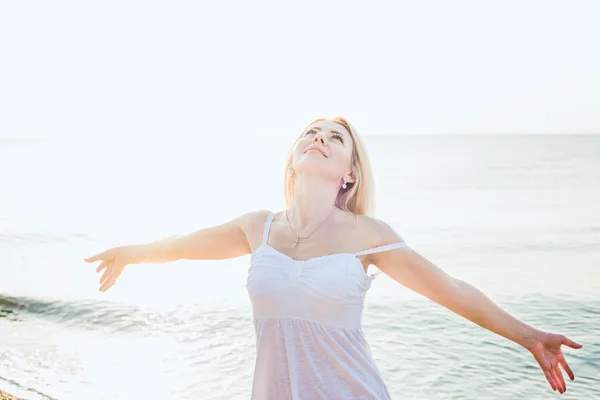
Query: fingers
{"type": "Point", "coordinates": [563, 363]}
{"type": "Point", "coordinates": [567, 369]}
{"type": "Point", "coordinates": [568, 342]}
{"type": "Point", "coordinates": [550, 378]}
{"type": "Point", "coordinates": [108, 280]}
{"type": "Point", "coordinates": [112, 273]}
{"type": "Point", "coordinates": [105, 275]}
{"type": "Point", "coordinates": [102, 265]}
{"type": "Point", "coordinates": [559, 377]}
{"type": "Point", "coordinates": [112, 265]}
{"type": "Point", "coordinates": [108, 284]}
{"type": "Point", "coordinates": [100, 256]}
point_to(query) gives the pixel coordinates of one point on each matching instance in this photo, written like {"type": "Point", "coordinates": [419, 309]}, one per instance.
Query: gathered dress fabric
{"type": "Point", "coordinates": [307, 317]}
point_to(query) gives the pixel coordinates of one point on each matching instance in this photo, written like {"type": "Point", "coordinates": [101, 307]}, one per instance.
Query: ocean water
{"type": "Point", "coordinates": [518, 216]}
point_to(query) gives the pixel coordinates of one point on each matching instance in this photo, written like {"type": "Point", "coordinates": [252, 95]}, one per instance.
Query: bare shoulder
{"type": "Point", "coordinates": [252, 220]}
{"type": "Point", "coordinates": [252, 224]}
{"type": "Point", "coordinates": [377, 232]}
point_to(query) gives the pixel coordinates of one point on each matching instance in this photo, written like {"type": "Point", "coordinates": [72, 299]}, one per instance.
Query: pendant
{"type": "Point", "coordinates": [297, 240]}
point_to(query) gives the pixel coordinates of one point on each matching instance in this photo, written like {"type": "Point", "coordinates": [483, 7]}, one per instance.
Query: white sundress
{"type": "Point", "coordinates": [307, 316]}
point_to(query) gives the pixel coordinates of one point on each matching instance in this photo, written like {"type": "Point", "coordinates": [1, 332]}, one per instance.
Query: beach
{"type": "Point", "coordinates": [514, 215]}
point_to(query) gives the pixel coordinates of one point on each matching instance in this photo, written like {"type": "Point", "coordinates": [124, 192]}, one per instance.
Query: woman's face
{"type": "Point", "coordinates": [325, 147]}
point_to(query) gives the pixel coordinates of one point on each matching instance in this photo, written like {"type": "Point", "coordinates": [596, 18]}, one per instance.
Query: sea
{"type": "Point", "coordinates": [517, 216]}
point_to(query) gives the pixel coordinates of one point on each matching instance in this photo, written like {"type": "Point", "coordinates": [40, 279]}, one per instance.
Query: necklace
{"type": "Point", "coordinates": [298, 237]}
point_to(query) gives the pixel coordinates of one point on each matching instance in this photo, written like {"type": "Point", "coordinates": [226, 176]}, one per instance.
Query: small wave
{"type": "Point", "coordinates": [99, 315]}
{"type": "Point", "coordinates": [23, 389]}
{"type": "Point", "coordinates": [86, 313]}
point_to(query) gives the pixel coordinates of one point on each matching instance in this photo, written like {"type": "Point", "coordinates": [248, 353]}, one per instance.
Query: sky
{"type": "Point", "coordinates": [125, 69]}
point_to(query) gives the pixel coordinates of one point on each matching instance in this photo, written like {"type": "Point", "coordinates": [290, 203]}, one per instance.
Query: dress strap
{"type": "Point", "coordinates": [267, 227]}
{"type": "Point", "coordinates": [378, 249]}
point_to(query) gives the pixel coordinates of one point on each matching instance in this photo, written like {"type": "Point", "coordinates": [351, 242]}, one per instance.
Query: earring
{"type": "Point", "coordinates": [344, 185]}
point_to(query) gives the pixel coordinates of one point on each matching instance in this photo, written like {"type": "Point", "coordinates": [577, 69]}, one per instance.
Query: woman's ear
{"type": "Point", "coordinates": [349, 178]}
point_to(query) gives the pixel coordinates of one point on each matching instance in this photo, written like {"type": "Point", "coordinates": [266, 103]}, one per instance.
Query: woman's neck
{"type": "Point", "coordinates": [313, 201]}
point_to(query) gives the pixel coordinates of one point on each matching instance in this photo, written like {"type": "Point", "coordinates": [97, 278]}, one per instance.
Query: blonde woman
{"type": "Point", "coordinates": [308, 275]}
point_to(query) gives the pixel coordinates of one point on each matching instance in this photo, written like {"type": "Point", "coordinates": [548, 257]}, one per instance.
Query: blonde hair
{"type": "Point", "coordinates": [359, 197]}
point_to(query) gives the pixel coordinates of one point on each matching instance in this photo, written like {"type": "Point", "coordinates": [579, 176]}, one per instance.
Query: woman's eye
{"type": "Point", "coordinates": [336, 136]}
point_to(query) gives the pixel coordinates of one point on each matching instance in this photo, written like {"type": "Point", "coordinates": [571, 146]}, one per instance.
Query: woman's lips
{"type": "Point", "coordinates": [317, 149]}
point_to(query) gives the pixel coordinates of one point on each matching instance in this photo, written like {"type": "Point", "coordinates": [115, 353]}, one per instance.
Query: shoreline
{"type": "Point", "coordinates": [7, 396]}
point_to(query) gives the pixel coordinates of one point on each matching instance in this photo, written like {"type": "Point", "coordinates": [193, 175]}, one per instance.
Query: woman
{"type": "Point", "coordinates": [308, 275]}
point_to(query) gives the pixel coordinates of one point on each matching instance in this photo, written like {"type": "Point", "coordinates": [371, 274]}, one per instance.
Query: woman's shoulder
{"type": "Point", "coordinates": [377, 232]}
{"type": "Point", "coordinates": [252, 220]}
{"type": "Point", "coordinates": [259, 216]}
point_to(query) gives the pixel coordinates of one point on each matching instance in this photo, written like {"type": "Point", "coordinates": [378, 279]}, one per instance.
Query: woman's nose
{"type": "Point", "coordinates": [320, 137]}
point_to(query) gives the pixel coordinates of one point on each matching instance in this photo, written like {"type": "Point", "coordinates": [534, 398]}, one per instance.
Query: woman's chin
{"type": "Point", "coordinates": [314, 157]}
{"type": "Point", "coordinates": [311, 164]}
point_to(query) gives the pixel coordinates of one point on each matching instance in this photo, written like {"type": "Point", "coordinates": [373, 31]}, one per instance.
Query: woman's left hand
{"type": "Point", "coordinates": [547, 352]}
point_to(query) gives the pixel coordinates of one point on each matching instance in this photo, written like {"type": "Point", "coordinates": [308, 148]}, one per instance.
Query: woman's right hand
{"type": "Point", "coordinates": [114, 261]}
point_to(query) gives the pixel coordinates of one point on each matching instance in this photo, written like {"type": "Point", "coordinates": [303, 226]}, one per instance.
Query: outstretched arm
{"type": "Point", "coordinates": [219, 242]}
{"type": "Point", "coordinates": [414, 271]}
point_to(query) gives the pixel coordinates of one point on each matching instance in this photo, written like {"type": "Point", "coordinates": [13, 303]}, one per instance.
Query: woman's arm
{"type": "Point", "coordinates": [417, 273]}
{"type": "Point", "coordinates": [218, 242]}
{"type": "Point", "coordinates": [414, 271]}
